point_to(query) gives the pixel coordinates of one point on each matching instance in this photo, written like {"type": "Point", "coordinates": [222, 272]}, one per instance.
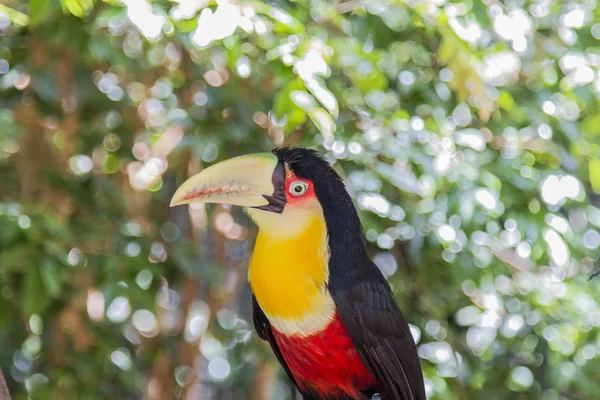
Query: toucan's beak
{"type": "Point", "coordinates": [254, 180]}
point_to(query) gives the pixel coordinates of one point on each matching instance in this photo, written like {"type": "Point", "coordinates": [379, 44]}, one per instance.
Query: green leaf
{"type": "Point", "coordinates": [16, 17]}
{"type": "Point", "coordinates": [51, 278]}
{"type": "Point", "coordinates": [37, 10]}
{"type": "Point", "coordinates": [78, 8]}
{"type": "Point", "coordinates": [33, 296]}
{"type": "Point", "coordinates": [590, 126]}
{"type": "Point", "coordinates": [326, 98]}
{"type": "Point", "coordinates": [288, 106]}
{"type": "Point", "coordinates": [595, 174]}
{"type": "Point", "coordinates": [324, 123]}
{"type": "Point", "coordinates": [17, 257]}
{"type": "Point", "coordinates": [303, 99]}
{"type": "Point", "coordinates": [506, 101]}
{"type": "Point", "coordinates": [8, 314]}
{"type": "Point", "coordinates": [284, 22]}
{"type": "Point", "coordinates": [367, 77]}
{"type": "Point", "coordinates": [283, 101]}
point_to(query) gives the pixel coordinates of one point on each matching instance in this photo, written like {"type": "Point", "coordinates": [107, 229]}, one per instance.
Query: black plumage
{"type": "Point", "coordinates": [363, 298]}
{"type": "Point", "coordinates": [265, 332]}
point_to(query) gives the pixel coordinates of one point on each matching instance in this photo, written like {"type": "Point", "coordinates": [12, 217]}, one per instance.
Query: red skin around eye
{"type": "Point", "coordinates": [291, 199]}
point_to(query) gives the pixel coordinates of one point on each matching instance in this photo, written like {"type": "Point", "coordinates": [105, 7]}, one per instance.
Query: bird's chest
{"type": "Point", "coordinates": [289, 276]}
{"type": "Point", "coordinates": [326, 362]}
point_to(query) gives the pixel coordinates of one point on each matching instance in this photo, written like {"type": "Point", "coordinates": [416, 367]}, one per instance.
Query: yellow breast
{"type": "Point", "coordinates": [288, 276]}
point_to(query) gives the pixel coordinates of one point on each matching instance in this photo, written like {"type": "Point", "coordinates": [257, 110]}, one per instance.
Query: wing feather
{"type": "Point", "coordinates": [265, 332]}
{"type": "Point", "coordinates": [381, 336]}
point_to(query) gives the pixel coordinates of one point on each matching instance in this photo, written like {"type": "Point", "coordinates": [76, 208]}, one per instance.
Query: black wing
{"type": "Point", "coordinates": [381, 336]}
{"type": "Point", "coordinates": [264, 331]}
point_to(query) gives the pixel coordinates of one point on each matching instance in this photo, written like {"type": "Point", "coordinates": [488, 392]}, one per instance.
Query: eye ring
{"type": "Point", "coordinates": [298, 188]}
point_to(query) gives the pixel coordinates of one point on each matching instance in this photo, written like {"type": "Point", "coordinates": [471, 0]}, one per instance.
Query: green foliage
{"type": "Point", "coordinates": [467, 132]}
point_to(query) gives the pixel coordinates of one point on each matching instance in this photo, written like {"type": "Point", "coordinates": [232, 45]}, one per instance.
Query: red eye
{"type": "Point", "coordinates": [298, 188]}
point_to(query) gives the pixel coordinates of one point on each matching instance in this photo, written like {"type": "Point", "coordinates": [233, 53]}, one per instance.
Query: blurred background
{"type": "Point", "coordinates": [468, 133]}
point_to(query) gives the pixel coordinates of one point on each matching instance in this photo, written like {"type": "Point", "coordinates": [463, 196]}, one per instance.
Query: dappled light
{"type": "Point", "coordinates": [468, 134]}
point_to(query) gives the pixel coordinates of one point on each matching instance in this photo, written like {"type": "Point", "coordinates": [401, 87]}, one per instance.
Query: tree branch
{"type": "Point", "coordinates": [4, 394]}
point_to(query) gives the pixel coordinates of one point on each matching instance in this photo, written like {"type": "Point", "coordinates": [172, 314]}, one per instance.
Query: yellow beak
{"type": "Point", "coordinates": [253, 180]}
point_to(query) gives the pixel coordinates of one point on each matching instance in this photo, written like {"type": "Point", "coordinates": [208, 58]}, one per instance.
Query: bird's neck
{"type": "Point", "coordinates": [289, 272]}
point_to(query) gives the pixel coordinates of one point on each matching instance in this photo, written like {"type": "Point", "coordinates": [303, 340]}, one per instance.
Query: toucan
{"type": "Point", "coordinates": [324, 307]}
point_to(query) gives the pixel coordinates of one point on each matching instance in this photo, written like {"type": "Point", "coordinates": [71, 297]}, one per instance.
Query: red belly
{"type": "Point", "coordinates": [326, 363]}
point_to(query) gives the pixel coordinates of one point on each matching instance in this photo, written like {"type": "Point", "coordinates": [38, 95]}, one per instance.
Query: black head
{"type": "Point", "coordinates": [343, 225]}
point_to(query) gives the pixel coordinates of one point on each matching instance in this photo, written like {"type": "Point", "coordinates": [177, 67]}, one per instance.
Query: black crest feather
{"type": "Point", "coordinates": [343, 225]}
